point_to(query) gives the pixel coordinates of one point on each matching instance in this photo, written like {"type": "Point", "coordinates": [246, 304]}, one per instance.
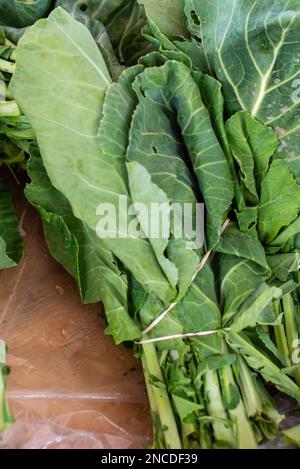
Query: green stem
{"type": "Point", "coordinates": [5, 416]}
{"type": "Point", "coordinates": [222, 430]}
{"type": "Point", "coordinates": [248, 389]}
{"type": "Point", "coordinates": [23, 134]}
{"type": "Point", "coordinates": [161, 398]}
{"type": "Point", "coordinates": [13, 56]}
{"type": "Point", "coordinates": [154, 412]}
{"type": "Point", "coordinates": [9, 109]}
{"type": "Point", "coordinates": [244, 433]}
{"type": "Point", "coordinates": [188, 430]}
{"type": "Point", "coordinates": [291, 330]}
{"type": "Point", "coordinates": [280, 336]}
{"type": "Point", "coordinates": [205, 437]}
{"type": "Point", "coordinates": [10, 43]}
{"type": "Point", "coordinates": [6, 66]}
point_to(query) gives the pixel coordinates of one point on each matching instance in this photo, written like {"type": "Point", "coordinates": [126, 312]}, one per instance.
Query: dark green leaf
{"type": "Point", "coordinates": [23, 13]}
{"type": "Point", "coordinates": [11, 244]}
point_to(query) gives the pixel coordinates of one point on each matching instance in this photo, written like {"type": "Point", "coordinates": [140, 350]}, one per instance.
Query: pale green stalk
{"type": "Point", "coordinates": [161, 398]}
{"type": "Point", "coordinates": [291, 330]}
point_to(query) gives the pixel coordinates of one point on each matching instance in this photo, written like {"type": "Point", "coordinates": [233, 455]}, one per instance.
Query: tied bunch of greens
{"type": "Point", "coordinates": [199, 107]}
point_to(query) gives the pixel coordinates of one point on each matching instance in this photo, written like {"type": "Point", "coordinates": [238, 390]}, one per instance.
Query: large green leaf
{"type": "Point", "coordinates": [252, 47]}
{"type": "Point", "coordinates": [279, 202]}
{"type": "Point", "coordinates": [65, 114]}
{"type": "Point", "coordinates": [154, 142]}
{"type": "Point", "coordinates": [98, 31]}
{"type": "Point", "coordinates": [252, 145]}
{"type": "Point", "coordinates": [164, 85]}
{"type": "Point", "coordinates": [239, 278]}
{"type": "Point", "coordinates": [168, 15]}
{"type": "Point", "coordinates": [11, 244]}
{"type": "Point", "coordinates": [242, 245]}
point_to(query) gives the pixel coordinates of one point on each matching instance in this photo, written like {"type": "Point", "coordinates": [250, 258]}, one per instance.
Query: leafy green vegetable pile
{"type": "Point", "coordinates": [174, 102]}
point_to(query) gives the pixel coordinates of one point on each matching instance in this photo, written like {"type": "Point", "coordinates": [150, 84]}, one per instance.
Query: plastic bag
{"type": "Point", "coordinates": [70, 386]}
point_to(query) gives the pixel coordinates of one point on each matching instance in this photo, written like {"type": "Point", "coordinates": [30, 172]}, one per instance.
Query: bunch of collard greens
{"type": "Point", "coordinates": [176, 101]}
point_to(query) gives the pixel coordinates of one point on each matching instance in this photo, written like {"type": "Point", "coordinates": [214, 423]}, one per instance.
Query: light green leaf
{"type": "Point", "coordinates": [185, 408]}
{"type": "Point", "coordinates": [285, 235]}
{"type": "Point", "coordinates": [165, 86]}
{"type": "Point", "coordinates": [186, 260]}
{"type": "Point", "coordinates": [97, 29]}
{"type": "Point", "coordinates": [168, 15]}
{"type": "Point", "coordinates": [242, 245]}
{"type": "Point", "coordinates": [155, 144]}
{"type": "Point", "coordinates": [252, 145]}
{"type": "Point", "coordinates": [215, 362]}
{"type": "Point", "coordinates": [198, 311]}
{"type": "Point", "coordinates": [157, 229]}
{"type": "Point", "coordinates": [279, 202]}
{"type": "Point", "coordinates": [238, 279]}
{"type": "Point", "coordinates": [69, 142]}
{"type": "Point", "coordinates": [283, 264]}
{"type": "Point", "coordinates": [247, 219]}
{"type": "Point", "coordinates": [249, 315]}
{"type": "Point", "coordinates": [11, 244]}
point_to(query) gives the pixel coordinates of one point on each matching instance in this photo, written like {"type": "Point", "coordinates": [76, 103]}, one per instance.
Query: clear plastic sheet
{"type": "Point", "coordinates": [70, 386]}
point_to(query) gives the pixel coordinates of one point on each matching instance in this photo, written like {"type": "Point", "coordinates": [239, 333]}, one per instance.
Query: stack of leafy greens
{"type": "Point", "coordinates": [200, 106]}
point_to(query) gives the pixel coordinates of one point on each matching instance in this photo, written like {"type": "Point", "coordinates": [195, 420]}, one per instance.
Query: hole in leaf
{"type": "Point", "coordinates": [83, 7]}
{"type": "Point", "coordinates": [196, 18]}
{"type": "Point", "coordinates": [155, 150]}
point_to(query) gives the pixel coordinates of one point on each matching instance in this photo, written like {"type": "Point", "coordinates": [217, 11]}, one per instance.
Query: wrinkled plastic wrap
{"type": "Point", "coordinates": [70, 386]}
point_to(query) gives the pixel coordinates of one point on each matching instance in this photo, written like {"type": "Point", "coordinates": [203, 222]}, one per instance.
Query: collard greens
{"type": "Point", "coordinates": [174, 102]}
